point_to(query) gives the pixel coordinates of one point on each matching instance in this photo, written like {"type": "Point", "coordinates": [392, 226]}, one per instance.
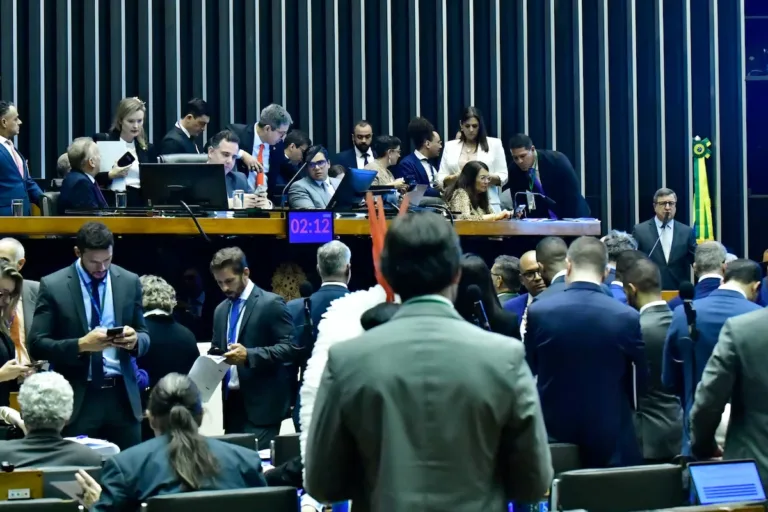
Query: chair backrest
{"type": "Point", "coordinates": [245, 440]}
{"type": "Point", "coordinates": [183, 158]}
{"type": "Point", "coordinates": [56, 183]}
{"type": "Point", "coordinates": [284, 448]}
{"type": "Point", "coordinates": [42, 505]}
{"type": "Point", "coordinates": [64, 474]}
{"type": "Point", "coordinates": [619, 489]}
{"type": "Point", "coordinates": [266, 499]}
{"type": "Point", "coordinates": [49, 203]}
{"type": "Point", "coordinates": [565, 457]}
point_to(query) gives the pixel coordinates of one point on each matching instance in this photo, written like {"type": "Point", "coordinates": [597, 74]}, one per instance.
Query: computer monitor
{"type": "Point", "coordinates": [727, 481]}
{"type": "Point", "coordinates": [351, 191]}
{"type": "Point", "coordinates": [198, 185]}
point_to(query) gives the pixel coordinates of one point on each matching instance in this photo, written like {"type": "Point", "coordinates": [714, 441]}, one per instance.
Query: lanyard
{"type": "Point", "coordinates": [532, 173]}
{"type": "Point", "coordinates": [100, 309]}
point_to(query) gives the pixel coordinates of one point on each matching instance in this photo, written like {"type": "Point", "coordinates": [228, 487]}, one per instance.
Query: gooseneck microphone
{"type": "Point", "coordinates": [478, 310]}
{"type": "Point", "coordinates": [284, 195]}
{"type": "Point", "coordinates": [658, 238]}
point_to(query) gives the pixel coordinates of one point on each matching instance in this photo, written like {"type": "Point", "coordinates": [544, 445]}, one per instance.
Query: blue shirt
{"type": "Point", "coordinates": [110, 355]}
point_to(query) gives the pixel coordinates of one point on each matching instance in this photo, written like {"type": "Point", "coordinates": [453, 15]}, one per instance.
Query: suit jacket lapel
{"type": "Point", "coordinates": [77, 297]}
{"type": "Point", "coordinates": [9, 158]}
{"type": "Point", "coordinates": [250, 305]}
{"type": "Point", "coordinates": [117, 298]}
{"type": "Point", "coordinates": [27, 307]}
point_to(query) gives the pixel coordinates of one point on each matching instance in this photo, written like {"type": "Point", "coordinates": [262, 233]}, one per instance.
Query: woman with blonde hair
{"type": "Point", "coordinates": [128, 127]}
{"type": "Point", "coordinates": [10, 292]}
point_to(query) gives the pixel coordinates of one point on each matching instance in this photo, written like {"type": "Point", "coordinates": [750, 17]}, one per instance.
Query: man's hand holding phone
{"type": "Point", "coordinates": [123, 337]}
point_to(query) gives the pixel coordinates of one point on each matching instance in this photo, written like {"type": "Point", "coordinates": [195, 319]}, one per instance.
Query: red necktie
{"type": "Point", "coordinates": [260, 174]}
{"type": "Point", "coordinates": [16, 158]}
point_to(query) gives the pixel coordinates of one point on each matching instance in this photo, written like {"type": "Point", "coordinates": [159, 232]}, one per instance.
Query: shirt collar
{"type": "Point", "coordinates": [652, 304]}
{"type": "Point", "coordinates": [710, 276]}
{"type": "Point", "coordinates": [335, 283]}
{"type": "Point", "coordinates": [181, 127]}
{"type": "Point", "coordinates": [256, 139]}
{"type": "Point", "coordinates": [93, 180]}
{"type": "Point", "coordinates": [359, 154]}
{"type": "Point", "coordinates": [561, 273]}
{"type": "Point", "coordinates": [431, 298]}
{"type": "Point", "coordinates": [3, 141]}
{"type": "Point", "coordinates": [728, 287]}
{"type": "Point", "coordinates": [617, 283]}
{"type": "Point", "coordinates": [248, 290]}
{"type": "Point", "coordinates": [530, 299]}
{"type": "Point", "coordinates": [420, 156]}
{"type": "Point", "coordinates": [659, 223]}
{"type": "Point", "coordinates": [85, 277]}
{"type": "Point", "coordinates": [156, 312]}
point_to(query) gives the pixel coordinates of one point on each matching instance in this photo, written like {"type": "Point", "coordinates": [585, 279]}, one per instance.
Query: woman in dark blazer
{"type": "Point", "coordinates": [474, 271]}
{"type": "Point", "coordinates": [10, 292]}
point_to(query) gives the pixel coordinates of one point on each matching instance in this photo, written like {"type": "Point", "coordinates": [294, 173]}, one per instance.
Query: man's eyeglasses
{"type": "Point", "coordinates": [667, 203]}
{"type": "Point", "coordinates": [319, 163]}
{"type": "Point", "coordinates": [531, 274]}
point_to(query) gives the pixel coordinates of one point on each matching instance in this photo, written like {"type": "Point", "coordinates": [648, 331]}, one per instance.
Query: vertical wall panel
{"type": "Point", "coordinates": [145, 50]}
{"type": "Point", "coordinates": [305, 67]}
{"type": "Point", "coordinates": [541, 74]}
{"type": "Point", "coordinates": [428, 64]}
{"type": "Point", "coordinates": [468, 55]}
{"type": "Point", "coordinates": [226, 110]}
{"type": "Point", "coordinates": [568, 66]}
{"type": "Point", "coordinates": [514, 69]}
{"type": "Point", "coordinates": [493, 117]}
{"type": "Point", "coordinates": [64, 74]}
{"type": "Point", "coordinates": [386, 87]}
{"type": "Point", "coordinates": [91, 71]}
{"type": "Point", "coordinates": [8, 55]}
{"type": "Point", "coordinates": [117, 51]}
{"type": "Point", "coordinates": [414, 53]}
{"type": "Point", "coordinates": [278, 49]}
{"type": "Point", "coordinates": [252, 59]}
{"type": "Point", "coordinates": [358, 74]}
{"type": "Point", "coordinates": [443, 115]}
{"type": "Point", "coordinates": [35, 122]}
{"type": "Point", "coordinates": [171, 62]}
{"type": "Point", "coordinates": [332, 75]}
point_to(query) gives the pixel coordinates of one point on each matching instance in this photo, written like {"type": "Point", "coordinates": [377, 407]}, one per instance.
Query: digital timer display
{"type": "Point", "coordinates": [310, 227]}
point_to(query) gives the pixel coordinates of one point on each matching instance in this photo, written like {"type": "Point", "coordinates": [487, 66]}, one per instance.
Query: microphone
{"type": "Point", "coordinates": [687, 293]}
{"type": "Point", "coordinates": [658, 238]}
{"type": "Point", "coordinates": [476, 296]}
{"type": "Point", "coordinates": [306, 289]}
{"type": "Point", "coordinates": [284, 195]}
{"type": "Point", "coordinates": [194, 219]}
{"type": "Point", "coordinates": [548, 200]}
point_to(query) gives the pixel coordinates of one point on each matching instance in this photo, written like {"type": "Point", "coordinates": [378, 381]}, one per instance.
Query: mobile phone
{"type": "Point", "coordinates": [126, 159]}
{"type": "Point", "coordinates": [215, 351]}
{"type": "Point", "coordinates": [38, 365]}
{"type": "Point", "coordinates": [115, 332]}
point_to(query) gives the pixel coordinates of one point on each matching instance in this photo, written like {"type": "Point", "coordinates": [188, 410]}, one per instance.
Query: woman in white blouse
{"type": "Point", "coordinates": [474, 144]}
{"type": "Point", "coordinates": [128, 127]}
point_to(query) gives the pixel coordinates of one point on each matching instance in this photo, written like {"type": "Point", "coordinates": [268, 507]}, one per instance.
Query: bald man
{"type": "Point", "coordinates": [530, 277]}
{"type": "Point", "coordinates": [12, 250]}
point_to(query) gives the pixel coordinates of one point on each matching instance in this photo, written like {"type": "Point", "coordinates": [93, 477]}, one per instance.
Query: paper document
{"type": "Point", "coordinates": [111, 152]}
{"type": "Point", "coordinates": [206, 373]}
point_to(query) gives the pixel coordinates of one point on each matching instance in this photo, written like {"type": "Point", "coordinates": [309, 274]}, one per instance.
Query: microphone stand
{"type": "Point", "coordinates": [194, 219]}
{"type": "Point", "coordinates": [658, 238]}
{"type": "Point", "coordinates": [284, 195]}
{"type": "Point", "coordinates": [520, 208]}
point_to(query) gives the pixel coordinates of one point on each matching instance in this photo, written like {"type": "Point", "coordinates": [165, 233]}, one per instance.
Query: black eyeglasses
{"type": "Point", "coordinates": [667, 203]}
{"type": "Point", "coordinates": [531, 274]}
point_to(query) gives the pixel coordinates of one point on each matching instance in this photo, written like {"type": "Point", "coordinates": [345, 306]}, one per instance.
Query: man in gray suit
{"type": "Point", "coordinates": [314, 191]}
{"type": "Point", "coordinates": [659, 416]}
{"type": "Point", "coordinates": [12, 250]}
{"type": "Point", "coordinates": [427, 412]}
{"type": "Point", "coordinates": [735, 371]}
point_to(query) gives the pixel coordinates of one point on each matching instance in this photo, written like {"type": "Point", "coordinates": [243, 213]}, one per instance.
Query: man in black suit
{"type": "Point", "coordinates": [76, 308]}
{"type": "Point", "coordinates": [46, 405]}
{"type": "Point", "coordinates": [295, 147]}
{"type": "Point", "coordinates": [79, 190]}
{"type": "Point", "coordinates": [545, 172]}
{"type": "Point", "coordinates": [253, 327]}
{"type": "Point", "coordinates": [659, 416]}
{"type": "Point", "coordinates": [672, 248]}
{"type": "Point", "coordinates": [360, 154]}
{"type": "Point", "coordinates": [261, 145]}
{"type": "Point", "coordinates": [182, 137]}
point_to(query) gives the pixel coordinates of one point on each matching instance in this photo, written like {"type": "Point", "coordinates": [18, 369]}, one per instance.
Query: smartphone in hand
{"type": "Point", "coordinates": [126, 160]}
{"type": "Point", "coordinates": [115, 332]}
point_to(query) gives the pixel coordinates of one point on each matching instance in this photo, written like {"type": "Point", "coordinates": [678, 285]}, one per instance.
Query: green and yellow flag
{"type": "Point", "coordinates": [702, 204]}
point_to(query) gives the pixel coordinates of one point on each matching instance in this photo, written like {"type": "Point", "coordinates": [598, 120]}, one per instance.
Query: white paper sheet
{"type": "Point", "coordinates": [206, 373]}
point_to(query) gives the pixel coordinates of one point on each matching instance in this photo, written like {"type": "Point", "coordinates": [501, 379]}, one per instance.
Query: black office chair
{"type": "Point", "coordinates": [49, 203]}
{"type": "Point", "coordinates": [44, 505]}
{"type": "Point", "coordinates": [284, 448]}
{"type": "Point", "coordinates": [565, 457]}
{"type": "Point", "coordinates": [245, 440]}
{"type": "Point", "coordinates": [64, 474]}
{"type": "Point", "coordinates": [619, 489]}
{"type": "Point", "coordinates": [183, 158]}
{"type": "Point", "coordinates": [262, 499]}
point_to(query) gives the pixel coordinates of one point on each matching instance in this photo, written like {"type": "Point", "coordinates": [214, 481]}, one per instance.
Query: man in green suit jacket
{"type": "Point", "coordinates": [427, 412]}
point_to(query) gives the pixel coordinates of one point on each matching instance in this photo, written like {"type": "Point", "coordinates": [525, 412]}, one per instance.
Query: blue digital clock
{"type": "Point", "coordinates": [310, 227]}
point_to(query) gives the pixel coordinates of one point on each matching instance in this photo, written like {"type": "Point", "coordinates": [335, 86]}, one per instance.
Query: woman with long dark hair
{"type": "Point", "coordinates": [10, 293]}
{"type": "Point", "coordinates": [474, 271]}
{"type": "Point", "coordinates": [178, 460]}
{"type": "Point", "coordinates": [474, 144]}
{"type": "Point", "coordinates": [468, 195]}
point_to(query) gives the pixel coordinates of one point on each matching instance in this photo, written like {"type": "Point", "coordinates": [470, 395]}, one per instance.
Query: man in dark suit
{"type": "Point", "coordinates": [672, 248]}
{"type": "Point", "coordinates": [261, 145]}
{"type": "Point", "coordinates": [530, 277]}
{"type": "Point", "coordinates": [372, 403]}
{"type": "Point", "coordinates": [15, 181]}
{"type": "Point", "coordinates": [295, 146]}
{"type": "Point", "coordinates": [223, 150]}
{"type": "Point", "coordinates": [551, 254]}
{"type": "Point", "coordinates": [584, 346]}
{"type": "Point", "coordinates": [253, 328]}
{"type": "Point", "coordinates": [79, 190]}
{"type": "Point", "coordinates": [46, 406]}
{"type": "Point", "coordinates": [417, 168]}
{"type": "Point", "coordinates": [734, 297]}
{"type": "Point", "coordinates": [763, 297]}
{"type": "Point", "coordinates": [12, 250]}
{"type": "Point", "coordinates": [360, 154]}
{"type": "Point", "coordinates": [659, 417]}
{"type": "Point", "coordinates": [75, 309]}
{"type": "Point", "coordinates": [709, 268]}
{"type": "Point", "coordinates": [548, 173]}
{"type": "Point", "coordinates": [183, 136]}
{"type": "Point", "coordinates": [617, 242]}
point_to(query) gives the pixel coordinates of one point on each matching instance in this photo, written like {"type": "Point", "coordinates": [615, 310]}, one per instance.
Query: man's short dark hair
{"type": "Point", "coordinates": [361, 124]}
{"type": "Point", "coordinates": [224, 135]}
{"type": "Point", "coordinates": [229, 257]}
{"type": "Point", "coordinates": [644, 275]}
{"type": "Point", "coordinates": [551, 250]}
{"type": "Point", "coordinates": [509, 270]}
{"type": "Point", "coordinates": [298, 138]}
{"type": "Point", "coordinates": [625, 261]}
{"type": "Point", "coordinates": [337, 170]}
{"type": "Point", "coordinates": [197, 107]}
{"type": "Point", "coordinates": [588, 254]}
{"type": "Point", "coordinates": [422, 254]}
{"type": "Point", "coordinates": [378, 314]}
{"type": "Point", "coordinates": [662, 192]}
{"type": "Point", "coordinates": [520, 140]}
{"type": "Point", "coordinates": [5, 106]}
{"type": "Point", "coordinates": [420, 131]}
{"type": "Point", "coordinates": [743, 271]}
{"type": "Point", "coordinates": [384, 143]}
{"type": "Point", "coordinates": [94, 236]}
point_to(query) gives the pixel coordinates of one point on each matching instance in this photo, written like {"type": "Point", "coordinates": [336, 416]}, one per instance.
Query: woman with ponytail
{"type": "Point", "coordinates": [178, 460]}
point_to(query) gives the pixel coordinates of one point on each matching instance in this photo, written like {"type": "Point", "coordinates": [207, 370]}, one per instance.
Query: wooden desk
{"type": "Point", "coordinates": [274, 226]}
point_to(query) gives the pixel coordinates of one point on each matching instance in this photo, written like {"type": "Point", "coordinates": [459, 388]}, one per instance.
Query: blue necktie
{"type": "Point", "coordinates": [97, 358]}
{"type": "Point", "coordinates": [234, 315]}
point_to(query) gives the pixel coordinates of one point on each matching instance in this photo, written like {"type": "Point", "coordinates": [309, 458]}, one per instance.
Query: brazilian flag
{"type": "Point", "coordinates": [702, 204]}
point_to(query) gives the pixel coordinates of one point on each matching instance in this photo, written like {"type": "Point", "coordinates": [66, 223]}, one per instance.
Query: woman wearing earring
{"type": "Point", "coordinates": [388, 149]}
{"type": "Point", "coordinates": [473, 144]}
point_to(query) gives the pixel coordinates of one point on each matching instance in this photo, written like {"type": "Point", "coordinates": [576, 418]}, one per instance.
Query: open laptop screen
{"type": "Point", "coordinates": [727, 482]}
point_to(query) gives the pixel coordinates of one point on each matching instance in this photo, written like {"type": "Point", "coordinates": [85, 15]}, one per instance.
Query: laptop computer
{"type": "Point", "coordinates": [728, 481]}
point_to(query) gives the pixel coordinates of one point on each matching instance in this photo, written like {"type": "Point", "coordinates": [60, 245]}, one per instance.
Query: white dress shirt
{"type": "Point", "coordinates": [665, 236]}
{"type": "Point", "coordinates": [234, 381]}
{"type": "Point", "coordinates": [360, 157]}
{"type": "Point", "coordinates": [431, 172]}
{"type": "Point", "coordinates": [494, 158]}
{"type": "Point", "coordinates": [132, 179]}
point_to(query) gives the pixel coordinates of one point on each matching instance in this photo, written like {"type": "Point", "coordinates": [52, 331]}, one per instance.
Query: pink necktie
{"type": "Point", "coordinates": [16, 158]}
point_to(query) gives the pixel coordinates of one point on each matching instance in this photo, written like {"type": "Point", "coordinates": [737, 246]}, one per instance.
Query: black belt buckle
{"type": "Point", "coordinates": [109, 382]}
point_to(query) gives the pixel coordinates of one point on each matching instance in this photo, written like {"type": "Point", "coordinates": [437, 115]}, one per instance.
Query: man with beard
{"type": "Point", "coordinates": [88, 324]}
{"type": "Point", "coordinates": [530, 276]}
{"type": "Point", "coordinates": [252, 328]}
{"type": "Point", "coordinates": [360, 154]}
